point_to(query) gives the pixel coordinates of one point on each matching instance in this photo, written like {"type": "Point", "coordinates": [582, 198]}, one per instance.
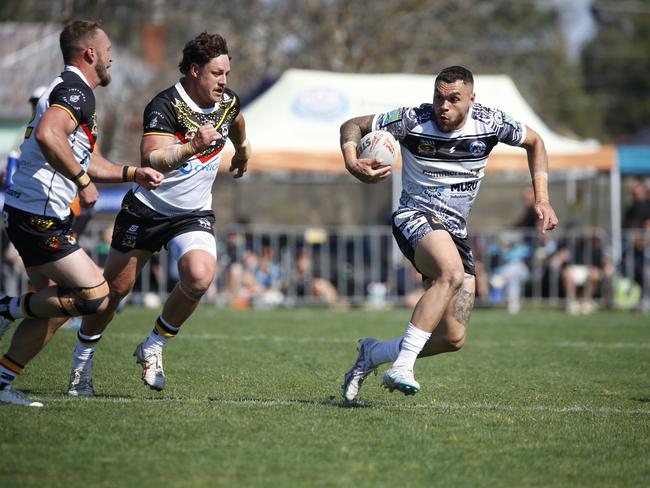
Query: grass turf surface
{"type": "Point", "coordinates": [253, 399]}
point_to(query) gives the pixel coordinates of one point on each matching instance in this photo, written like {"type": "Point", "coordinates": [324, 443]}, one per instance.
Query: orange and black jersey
{"type": "Point", "coordinates": [38, 187]}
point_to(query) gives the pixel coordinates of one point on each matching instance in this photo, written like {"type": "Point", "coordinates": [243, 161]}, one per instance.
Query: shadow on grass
{"type": "Point", "coordinates": [328, 402]}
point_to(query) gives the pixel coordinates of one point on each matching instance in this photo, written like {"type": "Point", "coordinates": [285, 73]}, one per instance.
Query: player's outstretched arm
{"type": "Point", "coordinates": [102, 170]}
{"type": "Point", "coordinates": [538, 166]}
{"type": "Point", "coordinates": [243, 150]}
{"type": "Point", "coordinates": [366, 170]}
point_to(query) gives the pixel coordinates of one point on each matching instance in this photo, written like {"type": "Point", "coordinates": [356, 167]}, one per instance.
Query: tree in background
{"type": "Point", "coordinates": [616, 67]}
{"type": "Point", "coordinates": [521, 38]}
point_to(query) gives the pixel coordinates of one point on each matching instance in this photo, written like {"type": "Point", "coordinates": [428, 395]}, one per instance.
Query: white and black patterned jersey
{"type": "Point", "coordinates": [38, 187]}
{"type": "Point", "coordinates": [442, 171]}
{"type": "Point", "coordinates": [173, 112]}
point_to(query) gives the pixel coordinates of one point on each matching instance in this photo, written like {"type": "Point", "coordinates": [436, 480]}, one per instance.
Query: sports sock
{"type": "Point", "coordinates": [160, 334]}
{"type": "Point", "coordinates": [9, 371]}
{"type": "Point", "coordinates": [413, 343]}
{"type": "Point", "coordinates": [82, 357]}
{"type": "Point", "coordinates": [385, 352]}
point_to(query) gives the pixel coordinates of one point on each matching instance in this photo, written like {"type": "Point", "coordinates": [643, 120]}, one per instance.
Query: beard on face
{"type": "Point", "coordinates": [102, 72]}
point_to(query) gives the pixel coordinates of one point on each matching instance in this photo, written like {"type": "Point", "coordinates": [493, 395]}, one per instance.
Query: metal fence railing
{"type": "Point", "coordinates": [268, 266]}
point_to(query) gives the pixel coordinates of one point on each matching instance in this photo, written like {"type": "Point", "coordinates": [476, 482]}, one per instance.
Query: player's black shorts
{"type": "Point", "coordinates": [139, 227]}
{"type": "Point", "coordinates": [37, 238]}
{"type": "Point", "coordinates": [409, 226]}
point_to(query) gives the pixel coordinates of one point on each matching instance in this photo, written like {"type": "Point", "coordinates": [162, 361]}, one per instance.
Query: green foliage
{"type": "Point", "coordinates": [541, 399]}
{"type": "Point", "coordinates": [616, 69]}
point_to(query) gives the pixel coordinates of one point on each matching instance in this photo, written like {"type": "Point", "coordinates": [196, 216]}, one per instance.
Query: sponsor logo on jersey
{"type": "Point", "coordinates": [463, 187]}
{"type": "Point", "coordinates": [477, 148]}
{"type": "Point", "coordinates": [427, 147]}
{"type": "Point", "coordinates": [154, 119]}
{"type": "Point", "coordinates": [226, 98]}
{"type": "Point", "coordinates": [205, 223]}
{"type": "Point", "coordinates": [128, 241]}
{"type": "Point", "coordinates": [391, 117]}
{"type": "Point", "coordinates": [133, 229]}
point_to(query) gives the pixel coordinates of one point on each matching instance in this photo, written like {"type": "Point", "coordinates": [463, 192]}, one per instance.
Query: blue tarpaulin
{"type": "Point", "coordinates": [633, 160]}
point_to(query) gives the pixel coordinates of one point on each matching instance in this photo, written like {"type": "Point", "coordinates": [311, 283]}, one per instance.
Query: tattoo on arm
{"type": "Point", "coordinates": [354, 129]}
{"type": "Point", "coordinates": [463, 306]}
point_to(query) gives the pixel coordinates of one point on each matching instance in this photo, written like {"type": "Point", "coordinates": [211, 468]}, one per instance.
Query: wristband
{"type": "Point", "coordinates": [81, 179]}
{"type": "Point", "coordinates": [244, 149]}
{"type": "Point", "coordinates": [128, 173]}
{"type": "Point", "coordinates": [348, 143]}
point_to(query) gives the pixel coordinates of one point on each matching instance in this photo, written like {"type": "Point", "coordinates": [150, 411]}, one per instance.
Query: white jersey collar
{"type": "Point", "coordinates": [74, 69]}
{"type": "Point", "coordinates": [186, 98]}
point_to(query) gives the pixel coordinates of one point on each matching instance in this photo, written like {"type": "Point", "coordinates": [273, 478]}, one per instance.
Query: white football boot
{"type": "Point", "coordinates": [150, 359]}
{"type": "Point", "coordinates": [362, 368]}
{"type": "Point", "coordinates": [401, 380]}
{"type": "Point", "coordinates": [15, 397]}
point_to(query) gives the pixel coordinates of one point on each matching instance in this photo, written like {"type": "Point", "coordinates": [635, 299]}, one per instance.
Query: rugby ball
{"type": "Point", "coordinates": [379, 144]}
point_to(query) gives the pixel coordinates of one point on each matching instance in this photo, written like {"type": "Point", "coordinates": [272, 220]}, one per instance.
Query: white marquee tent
{"type": "Point", "coordinates": [294, 125]}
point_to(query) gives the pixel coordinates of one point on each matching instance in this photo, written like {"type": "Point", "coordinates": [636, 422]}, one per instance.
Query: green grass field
{"type": "Point", "coordinates": [253, 399]}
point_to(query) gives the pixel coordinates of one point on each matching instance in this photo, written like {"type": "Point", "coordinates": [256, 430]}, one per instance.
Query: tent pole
{"type": "Point", "coordinates": [615, 198]}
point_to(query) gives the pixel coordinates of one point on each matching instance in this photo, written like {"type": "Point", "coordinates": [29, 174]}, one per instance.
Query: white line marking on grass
{"type": "Point", "coordinates": [607, 345]}
{"type": "Point", "coordinates": [340, 340]}
{"type": "Point", "coordinates": [256, 337]}
{"type": "Point", "coordinates": [337, 403]}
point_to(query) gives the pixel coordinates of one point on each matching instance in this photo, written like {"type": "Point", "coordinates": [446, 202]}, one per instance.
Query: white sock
{"type": "Point", "coordinates": [413, 342]}
{"type": "Point", "coordinates": [82, 356]}
{"type": "Point", "coordinates": [160, 334]}
{"type": "Point", "coordinates": [385, 352]}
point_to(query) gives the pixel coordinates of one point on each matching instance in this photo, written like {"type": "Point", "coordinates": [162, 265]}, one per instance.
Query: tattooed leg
{"type": "Point", "coordinates": [450, 334]}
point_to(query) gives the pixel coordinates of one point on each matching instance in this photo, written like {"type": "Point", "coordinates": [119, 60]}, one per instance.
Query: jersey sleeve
{"type": "Point", "coordinates": [399, 121]}
{"type": "Point", "coordinates": [75, 98]}
{"type": "Point", "coordinates": [159, 118]}
{"type": "Point", "coordinates": [508, 130]}
{"type": "Point", "coordinates": [231, 100]}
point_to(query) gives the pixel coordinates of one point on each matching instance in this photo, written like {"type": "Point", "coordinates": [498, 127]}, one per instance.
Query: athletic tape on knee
{"type": "Point", "coordinates": [82, 301]}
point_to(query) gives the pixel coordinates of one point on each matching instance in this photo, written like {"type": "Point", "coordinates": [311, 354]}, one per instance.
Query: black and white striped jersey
{"type": "Point", "coordinates": [442, 171]}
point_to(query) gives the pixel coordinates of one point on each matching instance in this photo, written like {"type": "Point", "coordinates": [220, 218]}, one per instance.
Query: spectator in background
{"type": "Point", "coordinates": [307, 285]}
{"type": "Point", "coordinates": [529, 218]}
{"type": "Point", "coordinates": [268, 281]}
{"type": "Point", "coordinates": [639, 210]}
{"type": "Point", "coordinates": [584, 272]}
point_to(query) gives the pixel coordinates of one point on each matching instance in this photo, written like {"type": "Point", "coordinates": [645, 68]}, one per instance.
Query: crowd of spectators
{"type": "Point", "coordinates": [570, 268]}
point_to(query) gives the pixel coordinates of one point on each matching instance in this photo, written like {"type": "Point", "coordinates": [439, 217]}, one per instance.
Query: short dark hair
{"type": "Point", "coordinates": [75, 36]}
{"type": "Point", "coordinates": [455, 73]}
{"type": "Point", "coordinates": [201, 50]}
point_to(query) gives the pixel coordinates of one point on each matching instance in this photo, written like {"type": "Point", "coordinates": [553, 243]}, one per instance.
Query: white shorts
{"type": "Point", "coordinates": [189, 241]}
